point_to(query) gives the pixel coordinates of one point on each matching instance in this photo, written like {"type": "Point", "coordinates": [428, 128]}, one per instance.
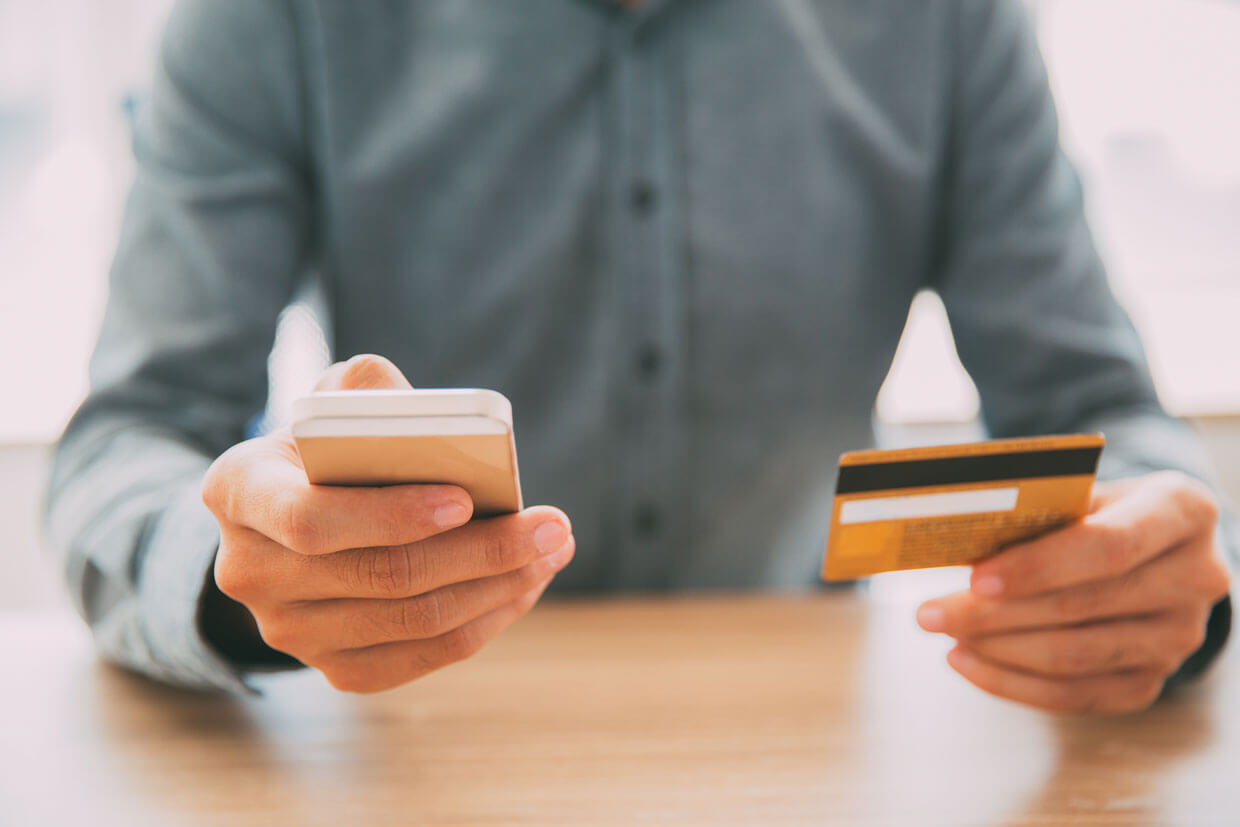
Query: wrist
{"type": "Point", "coordinates": [1218, 627]}
{"type": "Point", "coordinates": [229, 628]}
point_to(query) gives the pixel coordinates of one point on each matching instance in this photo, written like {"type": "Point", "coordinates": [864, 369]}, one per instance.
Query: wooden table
{"type": "Point", "coordinates": [828, 708]}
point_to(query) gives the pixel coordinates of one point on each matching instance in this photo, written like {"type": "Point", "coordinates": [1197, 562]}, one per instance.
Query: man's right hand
{"type": "Point", "coordinates": [374, 587]}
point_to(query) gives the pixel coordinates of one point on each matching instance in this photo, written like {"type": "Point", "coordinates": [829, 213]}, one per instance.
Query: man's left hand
{"type": "Point", "coordinates": [1094, 617]}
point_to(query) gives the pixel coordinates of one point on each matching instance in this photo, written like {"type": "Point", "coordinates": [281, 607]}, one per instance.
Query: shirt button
{"type": "Point", "coordinates": [646, 520]}
{"type": "Point", "coordinates": [649, 361]}
{"type": "Point", "coordinates": [643, 197]}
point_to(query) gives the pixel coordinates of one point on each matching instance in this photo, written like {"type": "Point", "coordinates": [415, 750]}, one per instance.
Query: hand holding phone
{"type": "Point", "coordinates": [376, 581]}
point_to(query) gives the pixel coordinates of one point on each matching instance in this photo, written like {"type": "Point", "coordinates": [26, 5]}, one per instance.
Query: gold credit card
{"type": "Point", "coordinates": [949, 505]}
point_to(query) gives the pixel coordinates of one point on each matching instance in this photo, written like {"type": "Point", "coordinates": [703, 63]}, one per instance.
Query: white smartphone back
{"type": "Point", "coordinates": [461, 436]}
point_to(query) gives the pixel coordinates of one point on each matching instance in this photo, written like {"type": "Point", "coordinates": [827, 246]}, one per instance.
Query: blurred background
{"type": "Point", "coordinates": [1147, 93]}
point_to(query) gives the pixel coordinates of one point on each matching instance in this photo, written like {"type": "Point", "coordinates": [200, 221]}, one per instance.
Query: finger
{"type": "Point", "coordinates": [391, 664]}
{"type": "Point", "coordinates": [1158, 643]}
{"type": "Point", "coordinates": [251, 567]}
{"type": "Point", "coordinates": [1112, 694]}
{"type": "Point", "coordinates": [1187, 576]}
{"type": "Point", "coordinates": [256, 485]}
{"type": "Point", "coordinates": [483, 548]}
{"type": "Point", "coordinates": [1160, 512]}
{"type": "Point", "coordinates": [365, 371]}
{"type": "Point", "coordinates": [313, 630]}
{"type": "Point", "coordinates": [248, 565]}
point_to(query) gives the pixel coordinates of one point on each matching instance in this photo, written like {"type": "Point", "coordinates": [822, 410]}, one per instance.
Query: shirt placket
{"type": "Point", "coordinates": [649, 362]}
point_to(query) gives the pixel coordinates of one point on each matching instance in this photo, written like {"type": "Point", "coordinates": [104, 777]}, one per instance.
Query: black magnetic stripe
{"type": "Point", "coordinates": [855, 479]}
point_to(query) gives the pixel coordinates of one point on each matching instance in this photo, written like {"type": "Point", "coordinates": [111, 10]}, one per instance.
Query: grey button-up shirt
{"type": "Point", "coordinates": [682, 239]}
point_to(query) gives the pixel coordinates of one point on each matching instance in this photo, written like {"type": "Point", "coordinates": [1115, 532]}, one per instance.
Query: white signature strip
{"type": "Point", "coordinates": [929, 505]}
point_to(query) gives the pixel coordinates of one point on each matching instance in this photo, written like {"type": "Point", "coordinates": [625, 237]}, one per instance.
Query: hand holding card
{"type": "Point", "coordinates": [1097, 616]}
{"type": "Point", "coordinates": [1093, 617]}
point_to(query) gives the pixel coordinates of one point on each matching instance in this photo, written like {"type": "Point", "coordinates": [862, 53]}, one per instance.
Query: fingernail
{"type": "Point", "coordinates": [988, 585]}
{"type": "Point", "coordinates": [550, 536]}
{"type": "Point", "coordinates": [931, 618]}
{"type": "Point", "coordinates": [451, 515]}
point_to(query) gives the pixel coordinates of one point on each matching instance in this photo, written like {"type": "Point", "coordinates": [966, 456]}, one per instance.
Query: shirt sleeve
{"type": "Point", "coordinates": [1034, 320]}
{"type": "Point", "coordinates": [211, 249]}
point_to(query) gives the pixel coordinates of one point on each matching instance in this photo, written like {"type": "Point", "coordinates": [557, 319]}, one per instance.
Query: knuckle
{"type": "Point", "coordinates": [300, 528]}
{"type": "Point", "coordinates": [220, 480]}
{"type": "Point", "coordinates": [460, 643]}
{"type": "Point", "coordinates": [386, 572]}
{"type": "Point", "coordinates": [232, 576]}
{"type": "Point", "coordinates": [421, 617]}
{"type": "Point", "coordinates": [1194, 496]}
{"type": "Point", "coordinates": [385, 527]}
{"type": "Point", "coordinates": [1220, 582]}
{"type": "Point", "coordinates": [280, 632]}
{"type": "Point", "coordinates": [213, 486]}
{"type": "Point", "coordinates": [1215, 579]}
{"type": "Point", "coordinates": [364, 627]}
{"type": "Point", "coordinates": [499, 551]}
{"type": "Point", "coordinates": [225, 483]}
{"type": "Point", "coordinates": [1117, 548]}
{"type": "Point", "coordinates": [1204, 505]}
{"type": "Point", "coordinates": [389, 527]}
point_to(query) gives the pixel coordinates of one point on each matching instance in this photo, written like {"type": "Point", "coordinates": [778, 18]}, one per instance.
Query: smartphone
{"type": "Point", "coordinates": [461, 436]}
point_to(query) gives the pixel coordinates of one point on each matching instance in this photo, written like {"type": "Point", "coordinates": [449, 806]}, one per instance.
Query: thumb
{"type": "Point", "coordinates": [365, 371]}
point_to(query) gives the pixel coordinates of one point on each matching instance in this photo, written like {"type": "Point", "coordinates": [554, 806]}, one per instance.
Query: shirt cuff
{"type": "Point", "coordinates": [1218, 627]}
{"type": "Point", "coordinates": [179, 553]}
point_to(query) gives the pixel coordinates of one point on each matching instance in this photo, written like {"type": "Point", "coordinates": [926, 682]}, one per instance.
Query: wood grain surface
{"type": "Point", "coordinates": [829, 708]}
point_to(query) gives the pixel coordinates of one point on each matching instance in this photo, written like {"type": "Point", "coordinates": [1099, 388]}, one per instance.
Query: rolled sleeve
{"type": "Point", "coordinates": [182, 552]}
{"type": "Point", "coordinates": [213, 246]}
